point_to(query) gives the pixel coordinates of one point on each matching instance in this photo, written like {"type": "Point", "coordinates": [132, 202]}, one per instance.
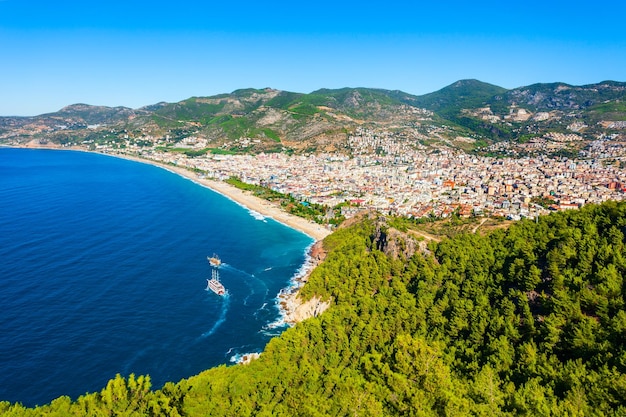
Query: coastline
{"type": "Point", "coordinates": [243, 198]}
{"type": "Point", "coordinates": [291, 308]}
{"type": "Point", "coordinates": [315, 231]}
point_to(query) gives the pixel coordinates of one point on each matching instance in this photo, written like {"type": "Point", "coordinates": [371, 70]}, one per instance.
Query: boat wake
{"type": "Point", "coordinates": [261, 285]}
{"type": "Point", "coordinates": [129, 365]}
{"type": "Point", "coordinates": [229, 267]}
{"type": "Point", "coordinates": [221, 319]}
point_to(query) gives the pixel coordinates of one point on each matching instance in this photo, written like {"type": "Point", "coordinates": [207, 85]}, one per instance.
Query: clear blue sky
{"type": "Point", "coordinates": [135, 53]}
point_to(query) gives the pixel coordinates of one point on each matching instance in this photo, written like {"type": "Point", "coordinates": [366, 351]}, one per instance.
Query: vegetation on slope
{"type": "Point", "coordinates": [524, 321]}
{"type": "Point", "coordinates": [463, 94]}
{"type": "Point", "coordinates": [561, 96]}
{"type": "Point", "coordinates": [311, 211]}
{"type": "Point", "coordinates": [320, 121]}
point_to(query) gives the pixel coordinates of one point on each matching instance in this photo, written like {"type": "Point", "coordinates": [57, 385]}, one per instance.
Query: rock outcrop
{"type": "Point", "coordinates": [296, 310]}
{"type": "Point", "coordinates": [293, 307]}
{"type": "Point", "coordinates": [393, 242]}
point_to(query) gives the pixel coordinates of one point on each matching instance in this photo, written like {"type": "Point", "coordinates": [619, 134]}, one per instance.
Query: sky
{"type": "Point", "coordinates": [136, 53]}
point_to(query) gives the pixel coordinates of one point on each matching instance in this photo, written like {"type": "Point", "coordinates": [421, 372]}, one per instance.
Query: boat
{"type": "Point", "coordinates": [214, 260]}
{"type": "Point", "coordinates": [215, 285]}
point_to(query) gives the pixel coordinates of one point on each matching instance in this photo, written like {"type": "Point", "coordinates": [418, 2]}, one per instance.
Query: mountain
{"type": "Point", "coordinates": [247, 120]}
{"type": "Point", "coordinates": [556, 112]}
{"type": "Point", "coordinates": [561, 97]}
{"type": "Point", "coordinates": [468, 113]}
{"type": "Point", "coordinates": [86, 114]}
{"type": "Point", "coordinates": [462, 94]}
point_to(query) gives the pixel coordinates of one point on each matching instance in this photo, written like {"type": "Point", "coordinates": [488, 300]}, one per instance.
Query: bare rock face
{"type": "Point", "coordinates": [353, 100]}
{"type": "Point", "coordinates": [392, 242]}
{"type": "Point", "coordinates": [293, 307]}
{"type": "Point", "coordinates": [249, 358]}
{"type": "Point", "coordinates": [304, 310]}
{"type": "Point", "coordinates": [270, 116]}
{"type": "Point", "coordinates": [317, 253]}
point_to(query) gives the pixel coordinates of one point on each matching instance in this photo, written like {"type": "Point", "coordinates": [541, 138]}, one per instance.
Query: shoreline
{"type": "Point", "coordinates": [315, 231]}
{"type": "Point", "coordinates": [291, 308]}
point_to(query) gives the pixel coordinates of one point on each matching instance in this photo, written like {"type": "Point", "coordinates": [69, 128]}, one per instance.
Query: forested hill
{"type": "Point", "coordinates": [524, 321]}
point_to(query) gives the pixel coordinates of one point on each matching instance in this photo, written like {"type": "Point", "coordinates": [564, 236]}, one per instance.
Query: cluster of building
{"type": "Point", "coordinates": [407, 180]}
{"type": "Point", "coordinates": [606, 147]}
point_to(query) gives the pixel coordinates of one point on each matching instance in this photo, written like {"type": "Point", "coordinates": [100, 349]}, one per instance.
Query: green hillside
{"type": "Point", "coordinates": [450, 101]}
{"type": "Point", "coordinates": [92, 115]}
{"type": "Point", "coordinates": [266, 120]}
{"type": "Point", "coordinates": [524, 321]}
{"type": "Point", "coordinates": [463, 94]}
{"type": "Point", "coordinates": [278, 117]}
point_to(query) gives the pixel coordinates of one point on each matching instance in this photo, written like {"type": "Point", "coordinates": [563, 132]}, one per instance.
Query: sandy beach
{"type": "Point", "coordinates": [264, 207]}
{"type": "Point", "coordinates": [293, 309]}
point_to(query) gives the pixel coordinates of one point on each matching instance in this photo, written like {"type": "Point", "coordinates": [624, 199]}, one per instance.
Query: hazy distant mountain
{"type": "Point", "coordinates": [84, 113]}
{"type": "Point", "coordinates": [252, 120]}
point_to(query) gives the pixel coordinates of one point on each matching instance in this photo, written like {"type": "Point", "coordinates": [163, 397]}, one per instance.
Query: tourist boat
{"type": "Point", "coordinates": [214, 260]}
{"type": "Point", "coordinates": [214, 284]}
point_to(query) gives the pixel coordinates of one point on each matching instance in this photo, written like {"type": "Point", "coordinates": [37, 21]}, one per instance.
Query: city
{"type": "Point", "coordinates": [393, 175]}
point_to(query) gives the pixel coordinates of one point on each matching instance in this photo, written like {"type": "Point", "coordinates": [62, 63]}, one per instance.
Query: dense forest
{"type": "Point", "coordinates": [524, 321]}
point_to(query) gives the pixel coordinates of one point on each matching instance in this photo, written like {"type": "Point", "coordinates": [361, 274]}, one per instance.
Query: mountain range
{"type": "Point", "coordinates": [469, 114]}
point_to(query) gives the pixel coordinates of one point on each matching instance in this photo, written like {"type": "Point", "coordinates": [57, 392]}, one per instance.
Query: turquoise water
{"type": "Point", "coordinates": [103, 270]}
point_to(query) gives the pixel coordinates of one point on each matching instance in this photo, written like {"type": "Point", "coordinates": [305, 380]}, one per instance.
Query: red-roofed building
{"type": "Point", "coordinates": [448, 184]}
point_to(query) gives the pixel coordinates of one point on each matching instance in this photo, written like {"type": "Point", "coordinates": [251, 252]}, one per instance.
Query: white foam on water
{"type": "Point", "coordinates": [242, 357]}
{"type": "Point", "coordinates": [222, 317]}
{"type": "Point", "coordinates": [295, 283]}
{"type": "Point", "coordinates": [257, 215]}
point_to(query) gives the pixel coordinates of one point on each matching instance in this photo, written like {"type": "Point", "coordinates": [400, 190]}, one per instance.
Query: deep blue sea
{"type": "Point", "coordinates": [103, 270]}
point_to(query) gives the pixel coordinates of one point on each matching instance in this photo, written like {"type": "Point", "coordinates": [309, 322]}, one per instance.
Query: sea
{"type": "Point", "coordinates": [103, 271]}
